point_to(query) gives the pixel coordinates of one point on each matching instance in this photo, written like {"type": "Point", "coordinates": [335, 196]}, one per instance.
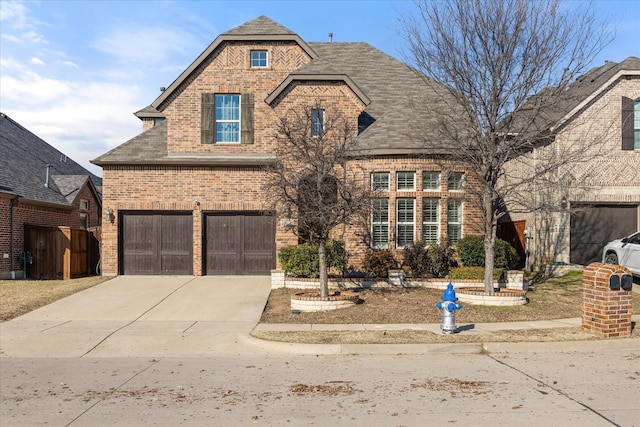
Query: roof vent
{"type": "Point", "coordinates": [330, 37]}
{"type": "Point", "coordinates": [162, 89]}
{"type": "Point", "coordinates": [46, 179]}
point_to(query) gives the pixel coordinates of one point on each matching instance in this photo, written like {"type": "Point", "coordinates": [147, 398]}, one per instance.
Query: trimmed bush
{"type": "Point", "coordinates": [428, 261]}
{"type": "Point", "coordinates": [378, 262]}
{"type": "Point", "coordinates": [470, 251]}
{"type": "Point", "coordinates": [302, 260]}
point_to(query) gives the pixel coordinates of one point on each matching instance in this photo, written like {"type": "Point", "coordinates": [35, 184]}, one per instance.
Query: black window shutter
{"type": "Point", "coordinates": [207, 125]}
{"type": "Point", "coordinates": [246, 126]}
{"type": "Point", "coordinates": [627, 123]}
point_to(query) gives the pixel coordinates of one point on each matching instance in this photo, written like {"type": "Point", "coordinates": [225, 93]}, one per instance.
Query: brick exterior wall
{"type": "Point", "coordinates": [44, 216]}
{"type": "Point", "coordinates": [174, 188]}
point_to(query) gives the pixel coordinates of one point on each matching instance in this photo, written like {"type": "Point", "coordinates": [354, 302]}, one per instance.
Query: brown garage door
{"type": "Point", "coordinates": [242, 243]}
{"type": "Point", "coordinates": [593, 226]}
{"type": "Point", "coordinates": [156, 243]}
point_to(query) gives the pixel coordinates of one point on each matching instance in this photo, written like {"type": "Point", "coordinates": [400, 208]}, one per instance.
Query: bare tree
{"type": "Point", "coordinates": [311, 178]}
{"type": "Point", "coordinates": [503, 67]}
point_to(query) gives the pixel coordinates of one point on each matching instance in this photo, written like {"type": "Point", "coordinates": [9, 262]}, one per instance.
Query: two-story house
{"type": "Point", "coordinates": [187, 193]}
{"type": "Point", "coordinates": [39, 187]}
{"type": "Point", "coordinates": [594, 197]}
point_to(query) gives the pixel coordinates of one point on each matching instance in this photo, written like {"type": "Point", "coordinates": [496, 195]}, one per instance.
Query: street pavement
{"type": "Point", "coordinates": [176, 351]}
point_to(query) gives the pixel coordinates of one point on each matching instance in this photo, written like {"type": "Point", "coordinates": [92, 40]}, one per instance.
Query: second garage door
{"type": "Point", "coordinates": [239, 243]}
{"type": "Point", "coordinates": [593, 226]}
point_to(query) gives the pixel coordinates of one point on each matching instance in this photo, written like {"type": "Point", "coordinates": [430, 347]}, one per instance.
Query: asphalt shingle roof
{"type": "Point", "coordinates": [23, 167]}
{"type": "Point", "coordinates": [262, 25]}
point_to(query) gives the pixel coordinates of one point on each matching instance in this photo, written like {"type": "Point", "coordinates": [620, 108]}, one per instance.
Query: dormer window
{"type": "Point", "coordinates": [84, 205]}
{"type": "Point", "coordinates": [259, 59]}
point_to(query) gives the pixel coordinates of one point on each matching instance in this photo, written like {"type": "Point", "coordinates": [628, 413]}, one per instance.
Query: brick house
{"type": "Point", "coordinates": [39, 187]}
{"type": "Point", "coordinates": [596, 199]}
{"type": "Point", "coordinates": [187, 192]}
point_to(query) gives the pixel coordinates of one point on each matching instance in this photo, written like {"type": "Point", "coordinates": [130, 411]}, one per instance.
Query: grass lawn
{"type": "Point", "coordinates": [18, 297]}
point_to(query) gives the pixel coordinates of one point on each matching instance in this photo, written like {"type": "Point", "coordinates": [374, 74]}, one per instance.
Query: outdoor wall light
{"type": "Point", "coordinates": [110, 216]}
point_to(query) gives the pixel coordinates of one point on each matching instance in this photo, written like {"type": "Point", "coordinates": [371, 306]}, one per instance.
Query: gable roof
{"type": "Point", "coordinates": [398, 118]}
{"type": "Point", "coordinates": [591, 85]}
{"type": "Point", "coordinates": [259, 29]}
{"type": "Point", "coordinates": [23, 168]}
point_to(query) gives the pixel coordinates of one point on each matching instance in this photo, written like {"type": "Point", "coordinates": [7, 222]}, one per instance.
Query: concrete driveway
{"type": "Point", "coordinates": [143, 316]}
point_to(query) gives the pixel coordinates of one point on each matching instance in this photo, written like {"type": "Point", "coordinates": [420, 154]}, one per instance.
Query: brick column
{"type": "Point", "coordinates": [606, 300]}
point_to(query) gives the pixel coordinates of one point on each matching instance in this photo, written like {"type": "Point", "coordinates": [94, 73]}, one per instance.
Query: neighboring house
{"type": "Point", "coordinates": [596, 197]}
{"type": "Point", "coordinates": [187, 193]}
{"type": "Point", "coordinates": [39, 186]}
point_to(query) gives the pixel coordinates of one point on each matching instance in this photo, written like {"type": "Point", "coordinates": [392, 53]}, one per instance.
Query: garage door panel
{"type": "Point", "coordinates": [593, 226]}
{"type": "Point", "coordinates": [240, 244]}
{"type": "Point", "coordinates": [157, 243]}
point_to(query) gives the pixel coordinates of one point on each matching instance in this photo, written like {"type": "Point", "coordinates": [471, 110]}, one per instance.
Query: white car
{"type": "Point", "coordinates": [624, 252]}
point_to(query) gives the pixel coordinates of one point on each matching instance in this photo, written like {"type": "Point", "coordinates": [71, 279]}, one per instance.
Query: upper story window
{"type": "Point", "coordinates": [84, 204]}
{"type": "Point", "coordinates": [259, 59]}
{"type": "Point", "coordinates": [227, 118]}
{"type": "Point", "coordinates": [406, 181]}
{"type": "Point", "coordinates": [156, 122]}
{"type": "Point", "coordinates": [380, 181]}
{"type": "Point", "coordinates": [630, 124]}
{"type": "Point", "coordinates": [431, 181]}
{"type": "Point", "coordinates": [455, 181]}
{"type": "Point", "coordinates": [317, 122]}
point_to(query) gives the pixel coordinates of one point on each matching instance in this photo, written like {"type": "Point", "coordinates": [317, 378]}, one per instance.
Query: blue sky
{"type": "Point", "coordinates": [74, 72]}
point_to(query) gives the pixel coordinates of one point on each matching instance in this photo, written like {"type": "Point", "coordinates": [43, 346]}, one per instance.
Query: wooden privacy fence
{"type": "Point", "coordinates": [61, 252]}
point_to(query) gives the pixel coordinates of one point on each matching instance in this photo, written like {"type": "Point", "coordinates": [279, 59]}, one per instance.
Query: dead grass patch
{"type": "Point", "coordinates": [556, 298]}
{"type": "Point", "coordinates": [18, 297]}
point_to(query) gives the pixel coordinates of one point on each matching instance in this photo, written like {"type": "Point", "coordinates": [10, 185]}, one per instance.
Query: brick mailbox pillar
{"type": "Point", "coordinates": [606, 300]}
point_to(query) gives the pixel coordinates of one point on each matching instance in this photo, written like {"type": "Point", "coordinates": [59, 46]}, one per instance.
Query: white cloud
{"type": "Point", "coordinates": [37, 61]}
{"type": "Point", "coordinates": [148, 46]}
{"type": "Point", "coordinates": [30, 88]}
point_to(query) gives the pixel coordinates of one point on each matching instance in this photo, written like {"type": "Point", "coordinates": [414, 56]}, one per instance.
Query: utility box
{"type": "Point", "coordinates": [606, 300]}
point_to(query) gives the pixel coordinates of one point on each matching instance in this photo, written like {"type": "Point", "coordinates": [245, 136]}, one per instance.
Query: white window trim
{"type": "Point", "coordinates": [439, 184]}
{"type": "Point", "coordinates": [239, 121]}
{"type": "Point", "coordinates": [398, 181]}
{"type": "Point", "coordinates": [636, 124]}
{"type": "Point", "coordinates": [459, 223]}
{"type": "Point", "coordinates": [405, 223]}
{"type": "Point", "coordinates": [373, 187]}
{"type": "Point", "coordinates": [266, 59]}
{"type": "Point", "coordinates": [430, 223]}
{"type": "Point", "coordinates": [379, 223]}
{"type": "Point", "coordinates": [462, 179]}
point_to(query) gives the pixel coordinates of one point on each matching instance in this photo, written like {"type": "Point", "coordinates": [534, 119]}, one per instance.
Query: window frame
{"type": "Point", "coordinates": [636, 124]}
{"type": "Point", "coordinates": [217, 121]}
{"type": "Point", "coordinates": [375, 182]}
{"type": "Point", "coordinates": [455, 222]}
{"type": "Point", "coordinates": [378, 214]}
{"type": "Point", "coordinates": [84, 221]}
{"type": "Point", "coordinates": [83, 205]}
{"type": "Point", "coordinates": [317, 122]}
{"type": "Point", "coordinates": [257, 61]}
{"type": "Point", "coordinates": [438, 181]}
{"type": "Point", "coordinates": [402, 243]}
{"type": "Point", "coordinates": [412, 174]}
{"type": "Point", "coordinates": [450, 181]}
{"type": "Point", "coordinates": [429, 202]}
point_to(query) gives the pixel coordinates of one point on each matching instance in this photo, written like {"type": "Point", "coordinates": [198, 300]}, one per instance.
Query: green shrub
{"type": "Point", "coordinates": [473, 273]}
{"type": "Point", "coordinates": [378, 262]}
{"type": "Point", "coordinates": [428, 261]}
{"type": "Point", "coordinates": [302, 260]}
{"type": "Point", "coordinates": [471, 253]}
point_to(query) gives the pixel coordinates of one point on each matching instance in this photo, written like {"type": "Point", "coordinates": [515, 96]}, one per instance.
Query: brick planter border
{"type": "Point", "coordinates": [501, 296]}
{"type": "Point", "coordinates": [312, 301]}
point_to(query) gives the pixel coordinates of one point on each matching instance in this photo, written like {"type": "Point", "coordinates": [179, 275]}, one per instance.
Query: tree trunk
{"type": "Point", "coordinates": [489, 243]}
{"type": "Point", "coordinates": [322, 258]}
